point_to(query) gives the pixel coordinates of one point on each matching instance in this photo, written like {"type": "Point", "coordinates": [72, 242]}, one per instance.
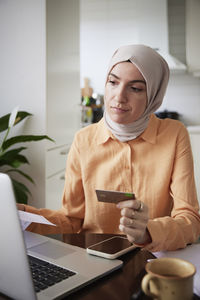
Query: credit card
{"type": "Point", "coordinates": [113, 196]}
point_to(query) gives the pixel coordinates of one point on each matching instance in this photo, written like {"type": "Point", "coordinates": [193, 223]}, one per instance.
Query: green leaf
{"type": "Point", "coordinates": [5, 119]}
{"type": "Point", "coordinates": [24, 138]}
{"type": "Point", "coordinates": [11, 153]}
{"type": "Point", "coordinates": [15, 161]}
{"type": "Point", "coordinates": [21, 191]}
{"type": "Point", "coordinates": [22, 173]}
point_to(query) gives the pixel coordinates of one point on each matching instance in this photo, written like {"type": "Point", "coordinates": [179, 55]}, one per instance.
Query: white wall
{"type": "Point", "coordinates": [22, 74]}
{"type": "Point", "coordinates": [107, 24]}
{"type": "Point", "coordinates": [22, 59]}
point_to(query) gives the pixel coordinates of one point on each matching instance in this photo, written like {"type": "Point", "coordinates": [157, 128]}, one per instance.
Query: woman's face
{"type": "Point", "coordinates": [125, 93]}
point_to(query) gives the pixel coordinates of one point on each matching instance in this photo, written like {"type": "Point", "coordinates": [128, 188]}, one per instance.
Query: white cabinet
{"type": "Point", "coordinates": [194, 132]}
{"type": "Point", "coordinates": [55, 175]}
{"type": "Point", "coordinates": [54, 187]}
{"type": "Point", "coordinates": [56, 159]}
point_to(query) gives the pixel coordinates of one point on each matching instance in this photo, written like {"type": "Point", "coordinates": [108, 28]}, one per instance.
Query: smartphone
{"type": "Point", "coordinates": [113, 196]}
{"type": "Point", "coordinates": [111, 248]}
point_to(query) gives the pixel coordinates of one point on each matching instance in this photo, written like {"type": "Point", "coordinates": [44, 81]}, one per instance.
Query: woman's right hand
{"type": "Point", "coordinates": [133, 221]}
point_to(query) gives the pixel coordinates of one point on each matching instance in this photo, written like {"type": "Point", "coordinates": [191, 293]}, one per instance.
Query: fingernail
{"type": "Point", "coordinates": [148, 260]}
{"type": "Point", "coordinates": [121, 227]}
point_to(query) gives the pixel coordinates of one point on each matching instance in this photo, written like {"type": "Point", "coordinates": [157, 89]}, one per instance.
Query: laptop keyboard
{"type": "Point", "coordinates": [46, 274]}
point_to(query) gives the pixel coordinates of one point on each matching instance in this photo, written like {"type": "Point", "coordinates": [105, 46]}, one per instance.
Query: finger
{"type": "Point", "coordinates": [133, 233]}
{"type": "Point", "coordinates": [134, 214]}
{"type": "Point", "coordinates": [131, 239]}
{"type": "Point", "coordinates": [134, 223]}
{"type": "Point", "coordinates": [134, 204]}
{"type": "Point", "coordinates": [126, 221]}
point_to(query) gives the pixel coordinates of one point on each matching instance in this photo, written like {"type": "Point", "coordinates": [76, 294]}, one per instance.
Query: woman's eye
{"type": "Point", "coordinates": [112, 82]}
{"type": "Point", "coordinates": [135, 89]}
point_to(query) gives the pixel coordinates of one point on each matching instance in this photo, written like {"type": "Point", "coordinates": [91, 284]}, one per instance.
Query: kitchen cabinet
{"type": "Point", "coordinates": [40, 74]}
{"type": "Point", "coordinates": [54, 187]}
{"type": "Point", "coordinates": [55, 175]}
{"type": "Point", "coordinates": [194, 132]}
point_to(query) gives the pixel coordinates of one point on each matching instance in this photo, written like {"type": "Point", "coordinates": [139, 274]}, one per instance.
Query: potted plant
{"type": "Point", "coordinates": [11, 159]}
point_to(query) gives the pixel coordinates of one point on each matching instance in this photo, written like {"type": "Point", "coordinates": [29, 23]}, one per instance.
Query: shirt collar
{"type": "Point", "coordinates": [102, 133]}
{"type": "Point", "coordinates": [149, 135]}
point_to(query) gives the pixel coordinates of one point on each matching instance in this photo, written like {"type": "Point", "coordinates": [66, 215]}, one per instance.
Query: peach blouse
{"type": "Point", "coordinates": [157, 166]}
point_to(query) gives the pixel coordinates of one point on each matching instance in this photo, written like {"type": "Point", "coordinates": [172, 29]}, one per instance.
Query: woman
{"type": "Point", "coordinates": [131, 150]}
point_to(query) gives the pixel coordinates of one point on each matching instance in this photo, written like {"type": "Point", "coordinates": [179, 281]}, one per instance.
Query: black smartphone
{"type": "Point", "coordinates": [111, 248]}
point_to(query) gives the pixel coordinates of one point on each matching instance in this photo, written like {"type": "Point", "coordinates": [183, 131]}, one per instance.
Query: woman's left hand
{"type": "Point", "coordinates": [134, 221]}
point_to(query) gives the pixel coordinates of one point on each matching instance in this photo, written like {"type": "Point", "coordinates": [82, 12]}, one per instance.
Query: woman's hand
{"type": "Point", "coordinates": [134, 221]}
{"type": "Point", "coordinates": [20, 206]}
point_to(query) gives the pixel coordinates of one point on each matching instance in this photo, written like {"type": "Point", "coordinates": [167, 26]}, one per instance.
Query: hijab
{"type": "Point", "coordinates": [155, 71]}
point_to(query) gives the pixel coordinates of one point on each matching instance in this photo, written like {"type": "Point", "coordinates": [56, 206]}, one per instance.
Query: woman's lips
{"type": "Point", "coordinates": [118, 109]}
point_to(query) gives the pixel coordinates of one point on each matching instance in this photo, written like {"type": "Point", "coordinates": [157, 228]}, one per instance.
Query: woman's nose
{"type": "Point", "coordinates": [120, 95]}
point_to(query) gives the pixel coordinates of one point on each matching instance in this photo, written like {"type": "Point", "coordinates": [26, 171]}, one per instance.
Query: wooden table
{"type": "Point", "coordinates": [120, 284]}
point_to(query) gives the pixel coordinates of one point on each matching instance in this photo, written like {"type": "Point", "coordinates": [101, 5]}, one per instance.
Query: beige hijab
{"type": "Point", "coordinates": [155, 71]}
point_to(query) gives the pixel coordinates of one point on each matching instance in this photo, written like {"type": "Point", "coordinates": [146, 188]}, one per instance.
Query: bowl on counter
{"type": "Point", "coordinates": [168, 114]}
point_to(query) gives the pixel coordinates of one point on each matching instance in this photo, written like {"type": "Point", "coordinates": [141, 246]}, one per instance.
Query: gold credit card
{"type": "Point", "coordinates": [113, 196]}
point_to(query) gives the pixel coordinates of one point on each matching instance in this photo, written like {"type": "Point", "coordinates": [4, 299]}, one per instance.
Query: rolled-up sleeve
{"type": "Point", "coordinates": [183, 226]}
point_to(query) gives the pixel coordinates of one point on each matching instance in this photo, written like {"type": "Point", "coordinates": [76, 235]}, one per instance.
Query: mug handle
{"type": "Point", "coordinates": [145, 286]}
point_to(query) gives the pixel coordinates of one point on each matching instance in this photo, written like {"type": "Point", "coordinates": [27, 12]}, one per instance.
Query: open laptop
{"type": "Point", "coordinates": [16, 280]}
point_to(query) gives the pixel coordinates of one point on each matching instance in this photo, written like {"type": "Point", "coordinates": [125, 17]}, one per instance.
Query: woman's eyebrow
{"type": "Point", "coordinates": [132, 81]}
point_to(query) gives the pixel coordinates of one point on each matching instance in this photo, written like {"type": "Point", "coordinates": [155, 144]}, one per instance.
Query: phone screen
{"type": "Point", "coordinates": [112, 245]}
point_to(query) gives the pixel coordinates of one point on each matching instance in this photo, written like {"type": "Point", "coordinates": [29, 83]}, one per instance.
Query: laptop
{"type": "Point", "coordinates": [19, 248]}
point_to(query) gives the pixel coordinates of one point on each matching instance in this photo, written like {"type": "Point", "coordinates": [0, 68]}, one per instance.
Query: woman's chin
{"type": "Point", "coordinates": [119, 120]}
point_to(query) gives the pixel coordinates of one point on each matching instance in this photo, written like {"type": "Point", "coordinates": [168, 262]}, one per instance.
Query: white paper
{"type": "Point", "coordinates": [27, 218]}
{"type": "Point", "coordinates": [192, 254]}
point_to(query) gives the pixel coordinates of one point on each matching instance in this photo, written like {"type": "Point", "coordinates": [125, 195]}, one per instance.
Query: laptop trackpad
{"type": "Point", "coordinates": [51, 250]}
